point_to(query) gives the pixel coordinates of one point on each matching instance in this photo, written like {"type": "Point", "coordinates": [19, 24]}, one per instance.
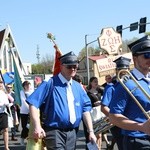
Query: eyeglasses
{"type": "Point", "coordinates": [9, 87]}
{"type": "Point", "coordinates": [108, 78]}
{"type": "Point", "coordinates": [146, 55]}
{"type": "Point", "coordinates": [71, 66]}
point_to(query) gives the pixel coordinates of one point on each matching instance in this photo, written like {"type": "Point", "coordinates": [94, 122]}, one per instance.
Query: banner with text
{"type": "Point", "coordinates": [107, 66]}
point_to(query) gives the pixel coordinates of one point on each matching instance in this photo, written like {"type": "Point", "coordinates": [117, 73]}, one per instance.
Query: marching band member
{"type": "Point", "coordinates": [66, 103]}
{"type": "Point", "coordinates": [121, 63]}
{"type": "Point", "coordinates": [124, 112]}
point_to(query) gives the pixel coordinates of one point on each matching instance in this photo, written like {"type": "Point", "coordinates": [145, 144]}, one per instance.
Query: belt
{"type": "Point", "coordinates": [61, 129]}
{"type": "Point", "coordinates": [141, 138]}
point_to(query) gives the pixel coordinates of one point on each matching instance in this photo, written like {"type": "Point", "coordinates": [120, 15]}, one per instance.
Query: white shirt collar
{"type": "Point", "coordinates": [138, 74]}
{"type": "Point", "coordinates": [63, 79]}
{"type": "Point", "coordinates": [110, 83]}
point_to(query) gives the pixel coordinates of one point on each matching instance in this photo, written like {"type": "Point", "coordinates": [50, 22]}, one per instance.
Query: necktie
{"type": "Point", "coordinates": [70, 99]}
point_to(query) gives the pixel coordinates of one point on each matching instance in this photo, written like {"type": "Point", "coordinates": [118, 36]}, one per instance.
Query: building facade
{"type": "Point", "coordinates": [100, 66]}
{"type": "Point", "coordinates": [9, 53]}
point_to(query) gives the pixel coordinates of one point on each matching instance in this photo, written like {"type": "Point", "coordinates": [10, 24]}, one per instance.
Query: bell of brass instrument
{"type": "Point", "coordinates": [122, 79]}
{"type": "Point", "coordinates": [102, 125]}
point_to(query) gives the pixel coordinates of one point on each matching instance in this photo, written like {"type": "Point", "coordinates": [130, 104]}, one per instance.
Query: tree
{"type": "Point", "coordinates": [45, 66]}
{"type": "Point", "coordinates": [97, 51]}
{"type": "Point", "coordinates": [147, 33]}
{"type": "Point", "coordinates": [91, 51]}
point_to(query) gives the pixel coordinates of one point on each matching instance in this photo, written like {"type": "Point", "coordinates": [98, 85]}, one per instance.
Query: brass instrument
{"type": "Point", "coordinates": [102, 125]}
{"type": "Point", "coordinates": [123, 79]}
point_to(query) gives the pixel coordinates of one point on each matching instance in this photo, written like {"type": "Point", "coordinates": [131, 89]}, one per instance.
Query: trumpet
{"type": "Point", "coordinates": [127, 75]}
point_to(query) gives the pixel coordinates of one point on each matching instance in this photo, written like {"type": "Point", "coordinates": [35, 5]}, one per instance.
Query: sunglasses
{"type": "Point", "coordinates": [146, 55]}
{"type": "Point", "coordinates": [109, 78]}
{"type": "Point", "coordinates": [9, 87]}
{"type": "Point", "coordinates": [71, 66]}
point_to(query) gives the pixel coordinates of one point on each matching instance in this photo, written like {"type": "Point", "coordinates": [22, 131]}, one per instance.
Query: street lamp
{"type": "Point", "coordinates": [87, 57]}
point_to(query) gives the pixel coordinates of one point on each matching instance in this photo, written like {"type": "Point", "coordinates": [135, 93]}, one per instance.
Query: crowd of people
{"type": "Point", "coordinates": [12, 115]}
{"type": "Point", "coordinates": [64, 102]}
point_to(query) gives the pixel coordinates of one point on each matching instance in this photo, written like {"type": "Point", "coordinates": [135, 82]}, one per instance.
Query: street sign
{"type": "Point", "coordinates": [110, 40]}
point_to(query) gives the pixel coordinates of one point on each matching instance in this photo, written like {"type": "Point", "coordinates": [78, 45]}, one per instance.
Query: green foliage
{"type": "Point", "coordinates": [97, 51]}
{"type": "Point", "coordinates": [147, 33]}
{"type": "Point", "coordinates": [46, 64]}
{"type": "Point", "coordinates": [44, 67]}
{"type": "Point", "coordinates": [91, 51]}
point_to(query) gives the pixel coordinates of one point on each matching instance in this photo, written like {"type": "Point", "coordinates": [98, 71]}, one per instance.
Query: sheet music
{"type": "Point", "coordinates": [92, 146]}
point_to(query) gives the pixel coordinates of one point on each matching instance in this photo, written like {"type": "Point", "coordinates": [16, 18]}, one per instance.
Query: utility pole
{"type": "Point", "coordinates": [87, 57]}
{"type": "Point", "coordinates": [38, 54]}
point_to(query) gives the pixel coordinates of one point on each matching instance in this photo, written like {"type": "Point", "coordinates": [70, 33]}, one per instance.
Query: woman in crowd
{"type": "Point", "coordinates": [24, 110]}
{"type": "Point", "coordinates": [11, 98]}
{"type": "Point", "coordinates": [95, 93]}
{"type": "Point", "coordinates": [3, 115]}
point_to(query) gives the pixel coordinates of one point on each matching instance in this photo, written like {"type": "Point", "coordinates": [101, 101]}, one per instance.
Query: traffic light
{"type": "Point", "coordinates": [142, 25]}
{"type": "Point", "coordinates": [134, 26]}
{"type": "Point", "coordinates": [119, 29]}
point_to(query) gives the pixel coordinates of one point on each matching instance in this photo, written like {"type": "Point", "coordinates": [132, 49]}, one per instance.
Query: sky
{"type": "Point", "coordinates": [69, 21]}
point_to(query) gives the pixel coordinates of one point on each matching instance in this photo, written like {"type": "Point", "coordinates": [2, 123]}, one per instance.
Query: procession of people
{"type": "Point", "coordinates": [51, 114]}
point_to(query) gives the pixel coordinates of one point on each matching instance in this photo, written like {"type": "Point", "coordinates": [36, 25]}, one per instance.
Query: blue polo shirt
{"type": "Point", "coordinates": [54, 93]}
{"type": "Point", "coordinates": [122, 102]}
{"type": "Point", "coordinates": [108, 94]}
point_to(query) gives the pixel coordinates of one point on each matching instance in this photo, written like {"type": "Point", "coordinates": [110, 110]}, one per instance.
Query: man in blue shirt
{"type": "Point", "coordinates": [59, 125]}
{"type": "Point", "coordinates": [124, 112]}
{"type": "Point", "coordinates": [122, 63]}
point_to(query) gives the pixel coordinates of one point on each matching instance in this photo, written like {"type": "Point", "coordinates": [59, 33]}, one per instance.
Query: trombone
{"type": "Point", "coordinates": [127, 75]}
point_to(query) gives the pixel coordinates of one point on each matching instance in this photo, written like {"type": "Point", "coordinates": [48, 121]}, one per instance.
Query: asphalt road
{"type": "Point", "coordinates": [15, 145]}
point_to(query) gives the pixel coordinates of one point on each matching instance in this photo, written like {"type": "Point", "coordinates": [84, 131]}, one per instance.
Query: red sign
{"type": "Point", "coordinates": [110, 41]}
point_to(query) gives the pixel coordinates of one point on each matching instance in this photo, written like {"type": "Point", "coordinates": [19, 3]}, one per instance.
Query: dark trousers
{"type": "Point", "coordinates": [132, 143]}
{"type": "Point", "coordinates": [117, 136]}
{"type": "Point", "coordinates": [24, 122]}
{"type": "Point", "coordinates": [13, 129]}
{"type": "Point", "coordinates": [60, 140]}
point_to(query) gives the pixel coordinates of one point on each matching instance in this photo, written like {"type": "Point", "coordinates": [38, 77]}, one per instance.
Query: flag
{"type": "Point", "coordinates": [8, 77]}
{"type": "Point", "coordinates": [56, 66]}
{"type": "Point", "coordinates": [17, 84]}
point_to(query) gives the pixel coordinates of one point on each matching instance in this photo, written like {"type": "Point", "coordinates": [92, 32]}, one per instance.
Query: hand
{"type": "Point", "coordinates": [146, 127]}
{"type": "Point", "coordinates": [97, 103]}
{"type": "Point", "coordinates": [39, 133]}
{"type": "Point", "coordinates": [125, 78]}
{"type": "Point", "coordinates": [92, 137]}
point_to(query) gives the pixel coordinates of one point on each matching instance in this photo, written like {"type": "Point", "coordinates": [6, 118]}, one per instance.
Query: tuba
{"type": "Point", "coordinates": [102, 125]}
{"type": "Point", "coordinates": [126, 76]}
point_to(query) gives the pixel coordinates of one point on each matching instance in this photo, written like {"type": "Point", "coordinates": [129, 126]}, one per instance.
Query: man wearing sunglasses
{"type": "Point", "coordinates": [66, 104]}
{"type": "Point", "coordinates": [124, 112]}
